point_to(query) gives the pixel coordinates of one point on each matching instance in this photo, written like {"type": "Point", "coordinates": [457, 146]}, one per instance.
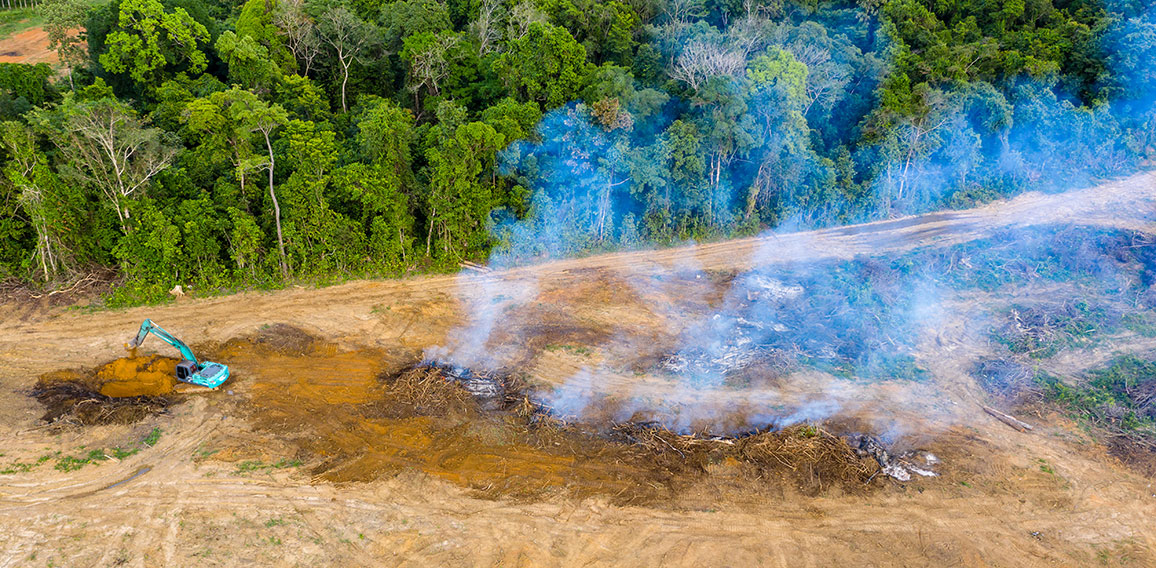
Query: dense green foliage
{"type": "Point", "coordinates": [219, 144]}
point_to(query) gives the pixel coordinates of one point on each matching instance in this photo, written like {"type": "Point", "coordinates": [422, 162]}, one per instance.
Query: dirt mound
{"type": "Point", "coordinates": [70, 397]}
{"type": "Point", "coordinates": [122, 391]}
{"type": "Point", "coordinates": [137, 376]}
{"type": "Point", "coordinates": [286, 339]}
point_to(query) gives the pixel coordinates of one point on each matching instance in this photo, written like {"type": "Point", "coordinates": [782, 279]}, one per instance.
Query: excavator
{"type": "Point", "coordinates": [189, 370]}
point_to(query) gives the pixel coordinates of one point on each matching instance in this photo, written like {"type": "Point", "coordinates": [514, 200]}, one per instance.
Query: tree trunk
{"type": "Point", "coordinates": [119, 213]}
{"type": "Point", "coordinates": [276, 211]}
{"type": "Point", "coordinates": [343, 82]}
{"type": "Point", "coordinates": [429, 233]}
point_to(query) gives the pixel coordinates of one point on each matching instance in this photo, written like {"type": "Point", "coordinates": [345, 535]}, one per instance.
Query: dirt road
{"type": "Point", "coordinates": [220, 487]}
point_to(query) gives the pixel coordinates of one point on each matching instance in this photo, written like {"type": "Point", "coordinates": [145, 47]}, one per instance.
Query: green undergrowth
{"type": "Point", "coordinates": [1120, 397]}
{"type": "Point", "coordinates": [254, 466]}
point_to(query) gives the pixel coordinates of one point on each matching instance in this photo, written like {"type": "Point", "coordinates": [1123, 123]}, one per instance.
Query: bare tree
{"type": "Point", "coordinates": [109, 147]}
{"type": "Point", "coordinates": [487, 28]}
{"type": "Point", "coordinates": [701, 61]}
{"type": "Point", "coordinates": [21, 171]}
{"type": "Point", "coordinates": [349, 37]}
{"type": "Point", "coordinates": [428, 65]}
{"type": "Point", "coordinates": [683, 11]}
{"type": "Point", "coordinates": [299, 30]}
{"type": "Point", "coordinates": [521, 16]}
{"type": "Point", "coordinates": [826, 79]}
{"type": "Point", "coordinates": [911, 141]}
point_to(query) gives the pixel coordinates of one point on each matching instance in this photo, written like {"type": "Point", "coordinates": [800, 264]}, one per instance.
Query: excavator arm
{"type": "Point", "coordinates": [149, 327]}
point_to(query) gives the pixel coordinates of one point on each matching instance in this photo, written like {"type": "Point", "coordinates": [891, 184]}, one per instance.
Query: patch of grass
{"type": "Point", "coordinates": [1045, 466]}
{"type": "Point", "coordinates": [73, 463]}
{"type": "Point", "coordinates": [575, 349]}
{"type": "Point", "coordinates": [249, 466]}
{"type": "Point", "coordinates": [153, 437]}
{"type": "Point", "coordinates": [18, 467]}
{"type": "Point", "coordinates": [17, 20]}
{"type": "Point", "coordinates": [1120, 397]}
{"type": "Point", "coordinates": [200, 454]}
{"type": "Point", "coordinates": [274, 522]}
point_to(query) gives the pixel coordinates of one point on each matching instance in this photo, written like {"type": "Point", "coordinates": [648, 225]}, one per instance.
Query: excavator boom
{"type": "Point", "coordinates": [189, 370]}
{"type": "Point", "coordinates": [149, 327]}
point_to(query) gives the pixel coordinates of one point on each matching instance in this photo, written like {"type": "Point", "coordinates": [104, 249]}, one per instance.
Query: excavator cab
{"type": "Point", "coordinates": [189, 370]}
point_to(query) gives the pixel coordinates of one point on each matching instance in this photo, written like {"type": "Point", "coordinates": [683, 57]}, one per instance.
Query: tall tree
{"type": "Point", "coordinates": [248, 60]}
{"type": "Point", "coordinates": [350, 37]}
{"type": "Point", "coordinates": [460, 199]}
{"type": "Point", "coordinates": [63, 20]}
{"type": "Point", "coordinates": [264, 118]}
{"type": "Point", "coordinates": [107, 145]}
{"type": "Point", "coordinates": [546, 65]}
{"type": "Point", "coordinates": [426, 54]}
{"type": "Point", "coordinates": [27, 171]}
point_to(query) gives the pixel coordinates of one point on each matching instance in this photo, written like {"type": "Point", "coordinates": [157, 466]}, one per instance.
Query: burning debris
{"type": "Point", "coordinates": [898, 467]}
{"type": "Point", "coordinates": [488, 388]}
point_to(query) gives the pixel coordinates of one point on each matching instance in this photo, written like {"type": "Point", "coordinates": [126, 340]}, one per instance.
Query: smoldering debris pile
{"type": "Point", "coordinates": [429, 385]}
{"type": "Point", "coordinates": [815, 458]}
{"type": "Point", "coordinates": [1008, 380]}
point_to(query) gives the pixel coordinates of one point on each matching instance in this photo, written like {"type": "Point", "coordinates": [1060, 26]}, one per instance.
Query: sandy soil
{"type": "Point", "coordinates": [221, 486]}
{"type": "Point", "coordinates": [28, 46]}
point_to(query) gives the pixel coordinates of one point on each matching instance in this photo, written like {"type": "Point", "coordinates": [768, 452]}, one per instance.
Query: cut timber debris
{"type": "Point", "coordinates": [1008, 419]}
{"type": "Point", "coordinates": [473, 266]}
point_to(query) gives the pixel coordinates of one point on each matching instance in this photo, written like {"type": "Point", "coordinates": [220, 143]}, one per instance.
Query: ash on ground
{"type": "Point", "coordinates": [899, 467]}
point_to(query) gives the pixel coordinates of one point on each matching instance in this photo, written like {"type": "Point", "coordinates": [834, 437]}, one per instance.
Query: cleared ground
{"type": "Point", "coordinates": [289, 464]}
{"type": "Point", "coordinates": [27, 46]}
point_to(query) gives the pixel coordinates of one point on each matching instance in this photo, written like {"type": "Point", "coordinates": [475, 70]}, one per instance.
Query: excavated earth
{"type": "Point", "coordinates": [332, 443]}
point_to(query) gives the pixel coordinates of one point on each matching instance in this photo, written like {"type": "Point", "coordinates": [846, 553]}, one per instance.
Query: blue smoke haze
{"type": "Point", "coordinates": [595, 190]}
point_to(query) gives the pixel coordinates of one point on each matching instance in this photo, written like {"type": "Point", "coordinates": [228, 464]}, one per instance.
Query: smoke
{"type": "Point", "coordinates": [849, 333]}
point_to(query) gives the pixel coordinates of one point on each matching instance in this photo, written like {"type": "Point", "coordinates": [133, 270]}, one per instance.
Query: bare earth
{"type": "Point", "coordinates": [28, 46]}
{"type": "Point", "coordinates": [189, 501]}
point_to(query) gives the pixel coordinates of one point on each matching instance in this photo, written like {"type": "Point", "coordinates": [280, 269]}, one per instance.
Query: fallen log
{"type": "Point", "coordinates": [473, 266]}
{"type": "Point", "coordinates": [1008, 419]}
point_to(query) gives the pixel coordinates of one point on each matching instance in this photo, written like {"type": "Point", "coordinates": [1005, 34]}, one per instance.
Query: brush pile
{"type": "Point", "coordinates": [815, 459]}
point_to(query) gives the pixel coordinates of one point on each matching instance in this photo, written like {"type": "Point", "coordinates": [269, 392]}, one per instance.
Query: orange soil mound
{"type": "Point", "coordinates": [137, 376]}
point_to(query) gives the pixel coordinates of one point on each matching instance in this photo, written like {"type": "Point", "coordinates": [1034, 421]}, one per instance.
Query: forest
{"type": "Point", "coordinates": [222, 145]}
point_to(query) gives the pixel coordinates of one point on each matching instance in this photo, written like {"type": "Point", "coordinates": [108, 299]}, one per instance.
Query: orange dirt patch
{"type": "Point", "coordinates": [28, 46]}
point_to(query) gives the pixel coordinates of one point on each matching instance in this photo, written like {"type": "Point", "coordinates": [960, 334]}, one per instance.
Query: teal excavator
{"type": "Point", "coordinates": [189, 370]}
